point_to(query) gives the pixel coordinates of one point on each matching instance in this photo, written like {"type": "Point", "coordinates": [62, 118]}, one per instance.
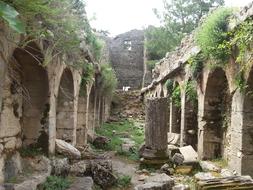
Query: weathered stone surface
{"type": "Point", "coordinates": [60, 166]}
{"type": "Point", "coordinates": [167, 169]}
{"type": "Point", "coordinates": [189, 154]}
{"type": "Point", "coordinates": [82, 183]}
{"type": "Point", "coordinates": [102, 176]}
{"type": "Point", "coordinates": [209, 166]}
{"type": "Point", "coordinates": [100, 141]}
{"type": "Point", "coordinates": [127, 145]}
{"type": "Point", "coordinates": [181, 187]}
{"type": "Point", "coordinates": [204, 176]}
{"type": "Point", "coordinates": [67, 149]}
{"type": "Point", "coordinates": [178, 159]}
{"type": "Point", "coordinates": [157, 182]}
{"type": "Point", "coordinates": [173, 138]}
{"type": "Point", "coordinates": [78, 169]}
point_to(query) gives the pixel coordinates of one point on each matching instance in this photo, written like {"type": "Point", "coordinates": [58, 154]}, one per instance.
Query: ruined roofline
{"type": "Point", "coordinates": [175, 60]}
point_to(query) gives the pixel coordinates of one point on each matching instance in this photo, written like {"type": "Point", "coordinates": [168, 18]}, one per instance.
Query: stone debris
{"type": "Point", "coordinates": [67, 149]}
{"type": "Point", "coordinates": [174, 139]}
{"type": "Point", "coordinates": [127, 145]}
{"type": "Point", "coordinates": [235, 182]}
{"type": "Point", "coordinates": [60, 166]}
{"type": "Point", "coordinates": [157, 182]}
{"type": "Point", "coordinates": [82, 183]}
{"type": "Point", "coordinates": [100, 142]}
{"type": "Point", "coordinates": [209, 166]}
{"type": "Point", "coordinates": [204, 176]}
{"type": "Point", "coordinates": [181, 187]}
{"type": "Point", "coordinates": [78, 169]}
{"type": "Point", "coordinates": [189, 154]}
{"type": "Point", "coordinates": [178, 159]}
{"type": "Point", "coordinates": [102, 175]}
{"type": "Point", "coordinates": [167, 169]}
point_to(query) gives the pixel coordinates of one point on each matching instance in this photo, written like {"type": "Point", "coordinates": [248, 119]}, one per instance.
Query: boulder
{"type": "Point", "coordinates": [209, 166]}
{"type": "Point", "coordinates": [102, 175]}
{"type": "Point", "coordinates": [167, 169]}
{"type": "Point", "coordinates": [67, 149]}
{"type": "Point", "coordinates": [60, 166]}
{"type": "Point", "coordinates": [189, 154]}
{"type": "Point", "coordinates": [157, 182]}
{"type": "Point", "coordinates": [178, 159]}
{"type": "Point", "coordinates": [101, 142]}
{"type": "Point", "coordinates": [78, 169]}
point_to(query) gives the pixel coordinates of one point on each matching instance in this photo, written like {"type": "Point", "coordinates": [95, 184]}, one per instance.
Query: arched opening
{"type": "Point", "coordinates": [247, 130]}
{"type": "Point", "coordinates": [81, 116]}
{"type": "Point", "coordinates": [191, 115]}
{"type": "Point", "coordinates": [31, 82]}
{"type": "Point", "coordinates": [175, 109]}
{"type": "Point", "coordinates": [217, 111]}
{"type": "Point", "coordinates": [65, 108]}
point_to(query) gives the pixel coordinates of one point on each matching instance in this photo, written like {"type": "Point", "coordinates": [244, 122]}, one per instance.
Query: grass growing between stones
{"type": "Point", "coordinates": [117, 131]}
{"type": "Point", "coordinates": [56, 183]}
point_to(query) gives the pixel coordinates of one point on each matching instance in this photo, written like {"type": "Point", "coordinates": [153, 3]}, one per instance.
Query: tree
{"type": "Point", "coordinates": [179, 17]}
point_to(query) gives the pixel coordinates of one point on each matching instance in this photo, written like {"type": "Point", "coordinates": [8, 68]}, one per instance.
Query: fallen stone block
{"type": "Point", "coordinates": [78, 169]}
{"type": "Point", "coordinates": [181, 187]}
{"type": "Point", "coordinates": [204, 176]}
{"type": "Point", "coordinates": [157, 182]}
{"type": "Point", "coordinates": [189, 154]}
{"type": "Point", "coordinates": [60, 166]}
{"type": "Point", "coordinates": [82, 183]}
{"type": "Point", "coordinates": [67, 149]}
{"type": "Point", "coordinates": [184, 169]}
{"type": "Point", "coordinates": [209, 166]}
{"type": "Point", "coordinates": [174, 139]}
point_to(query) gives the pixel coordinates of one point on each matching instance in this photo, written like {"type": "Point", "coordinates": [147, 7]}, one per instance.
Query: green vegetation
{"type": "Point", "coordinates": [179, 17]}
{"type": "Point", "coordinates": [125, 129]}
{"type": "Point", "coordinates": [109, 79]}
{"type": "Point", "coordinates": [169, 84]}
{"type": "Point", "coordinates": [124, 181]}
{"type": "Point", "coordinates": [213, 36]}
{"type": "Point", "coordinates": [151, 64]}
{"type": "Point", "coordinates": [62, 23]}
{"type": "Point", "coordinates": [9, 14]}
{"type": "Point", "coordinates": [176, 96]}
{"type": "Point", "coordinates": [196, 65]}
{"type": "Point", "coordinates": [56, 183]}
{"type": "Point", "coordinates": [191, 92]}
{"type": "Point", "coordinates": [31, 151]}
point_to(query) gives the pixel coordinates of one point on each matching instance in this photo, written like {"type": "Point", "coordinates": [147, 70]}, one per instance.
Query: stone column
{"type": "Point", "coordinates": [155, 151]}
{"type": "Point", "coordinates": [182, 128]}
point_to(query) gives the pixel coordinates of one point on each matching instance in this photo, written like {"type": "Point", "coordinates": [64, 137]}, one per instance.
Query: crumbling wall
{"type": "Point", "coordinates": [127, 58]}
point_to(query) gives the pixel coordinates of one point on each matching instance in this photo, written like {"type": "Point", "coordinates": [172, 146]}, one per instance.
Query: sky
{"type": "Point", "coordinates": [119, 16]}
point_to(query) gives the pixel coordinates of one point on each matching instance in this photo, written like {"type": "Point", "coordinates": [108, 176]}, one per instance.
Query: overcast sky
{"type": "Point", "coordinates": [119, 16]}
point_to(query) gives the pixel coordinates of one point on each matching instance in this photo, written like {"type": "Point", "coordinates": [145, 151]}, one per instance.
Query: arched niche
{"type": "Point", "coordinates": [175, 123]}
{"type": "Point", "coordinates": [65, 108]}
{"type": "Point", "coordinates": [217, 113]}
{"type": "Point", "coordinates": [30, 80]}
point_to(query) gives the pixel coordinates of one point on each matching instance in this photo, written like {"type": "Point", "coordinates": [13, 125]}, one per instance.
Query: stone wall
{"type": "Point", "coordinates": [127, 58]}
{"type": "Point", "coordinates": [224, 112]}
{"type": "Point", "coordinates": [40, 103]}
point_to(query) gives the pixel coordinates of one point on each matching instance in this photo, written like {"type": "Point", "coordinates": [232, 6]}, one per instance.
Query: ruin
{"type": "Point", "coordinates": [220, 125]}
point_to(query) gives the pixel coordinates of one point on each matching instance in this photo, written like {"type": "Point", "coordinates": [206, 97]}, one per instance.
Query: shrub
{"type": "Point", "coordinates": [56, 183]}
{"type": "Point", "coordinates": [169, 85]}
{"type": "Point", "coordinates": [191, 92]}
{"type": "Point", "coordinates": [196, 65]}
{"type": "Point", "coordinates": [124, 181]}
{"type": "Point", "coordinates": [176, 96]}
{"type": "Point", "coordinates": [109, 79]}
{"type": "Point", "coordinates": [151, 64]}
{"type": "Point", "coordinates": [212, 35]}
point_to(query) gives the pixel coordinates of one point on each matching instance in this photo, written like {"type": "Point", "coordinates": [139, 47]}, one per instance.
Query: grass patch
{"type": "Point", "coordinates": [56, 183]}
{"type": "Point", "coordinates": [115, 131]}
{"type": "Point", "coordinates": [124, 181]}
{"type": "Point", "coordinates": [222, 163]}
{"type": "Point", "coordinates": [31, 151]}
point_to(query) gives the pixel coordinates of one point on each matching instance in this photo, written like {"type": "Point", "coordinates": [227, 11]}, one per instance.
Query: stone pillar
{"type": "Point", "coordinates": [171, 117]}
{"type": "Point", "coordinates": [182, 128]}
{"type": "Point", "coordinates": [155, 151]}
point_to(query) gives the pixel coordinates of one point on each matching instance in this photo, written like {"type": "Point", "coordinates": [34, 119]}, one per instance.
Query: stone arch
{"type": "Point", "coordinates": [65, 128]}
{"type": "Point", "coordinates": [247, 129]}
{"type": "Point", "coordinates": [217, 113]}
{"type": "Point", "coordinates": [191, 115]}
{"type": "Point", "coordinates": [31, 82]}
{"type": "Point", "coordinates": [175, 111]}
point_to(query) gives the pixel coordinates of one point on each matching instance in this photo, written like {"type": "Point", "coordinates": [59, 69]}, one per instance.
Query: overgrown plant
{"type": "Point", "coordinates": [191, 92]}
{"type": "Point", "coordinates": [56, 183]}
{"type": "Point", "coordinates": [213, 36]}
{"type": "Point", "coordinates": [62, 23]}
{"type": "Point", "coordinates": [196, 63]}
{"type": "Point", "coordinates": [176, 96]}
{"type": "Point", "coordinates": [10, 15]}
{"type": "Point", "coordinates": [169, 86]}
{"type": "Point", "coordinates": [109, 79]}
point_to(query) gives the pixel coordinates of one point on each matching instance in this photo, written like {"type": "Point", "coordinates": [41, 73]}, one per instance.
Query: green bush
{"type": "Point", "coordinates": [196, 65]}
{"type": "Point", "coordinates": [191, 92]}
{"type": "Point", "coordinates": [151, 64]}
{"type": "Point", "coordinates": [176, 96]}
{"type": "Point", "coordinates": [109, 79]}
{"type": "Point", "coordinates": [56, 183]}
{"type": "Point", "coordinates": [213, 36]}
{"type": "Point", "coordinates": [124, 181]}
{"type": "Point", "coordinates": [169, 85]}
